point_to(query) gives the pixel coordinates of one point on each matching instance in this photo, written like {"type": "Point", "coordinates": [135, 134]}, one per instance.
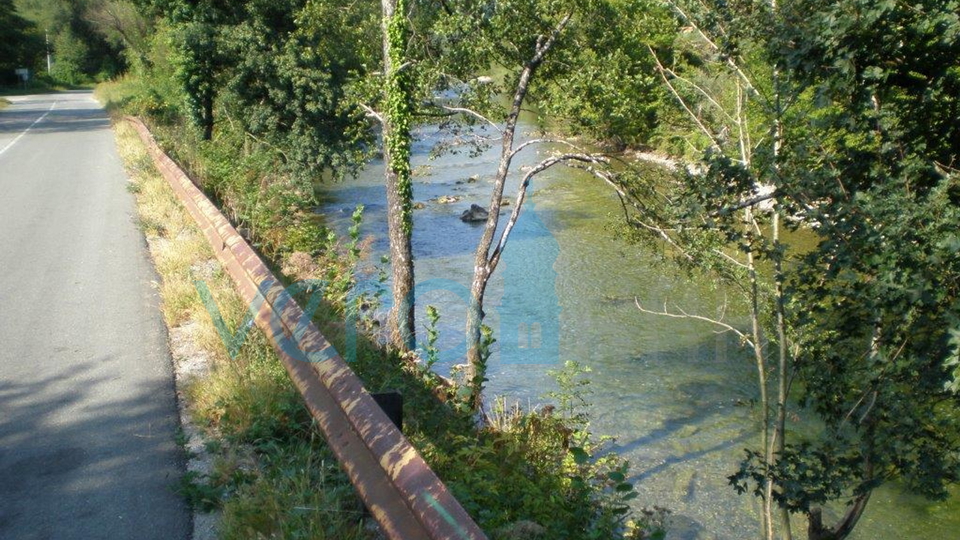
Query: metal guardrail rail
{"type": "Point", "coordinates": [398, 487]}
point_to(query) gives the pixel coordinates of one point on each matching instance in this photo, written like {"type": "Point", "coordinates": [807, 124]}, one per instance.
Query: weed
{"type": "Point", "coordinates": [199, 493]}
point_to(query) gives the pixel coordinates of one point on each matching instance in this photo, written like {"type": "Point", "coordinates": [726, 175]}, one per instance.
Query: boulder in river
{"type": "Point", "coordinates": [475, 213]}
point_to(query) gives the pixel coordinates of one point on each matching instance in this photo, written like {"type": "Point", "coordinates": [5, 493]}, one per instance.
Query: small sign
{"type": "Point", "coordinates": [23, 73]}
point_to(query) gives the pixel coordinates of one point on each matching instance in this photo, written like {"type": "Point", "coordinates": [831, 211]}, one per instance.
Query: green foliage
{"type": "Point", "coordinates": [474, 385]}
{"type": "Point", "coordinates": [879, 296]}
{"type": "Point", "coordinates": [398, 112]}
{"type": "Point", "coordinates": [539, 471]}
{"type": "Point", "coordinates": [80, 53]}
{"type": "Point", "coordinates": [571, 396]}
{"type": "Point", "coordinates": [290, 65]}
{"type": "Point", "coordinates": [597, 80]}
{"type": "Point", "coordinates": [71, 54]}
{"type": "Point", "coordinates": [196, 62]}
{"type": "Point", "coordinates": [609, 89]}
{"type": "Point", "coordinates": [199, 492]}
{"type": "Point", "coordinates": [20, 45]}
{"type": "Point", "coordinates": [433, 334]}
{"type": "Point", "coordinates": [843, 108]}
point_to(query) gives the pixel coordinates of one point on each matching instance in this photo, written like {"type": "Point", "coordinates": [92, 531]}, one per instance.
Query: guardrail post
{"type": "Point", "coordinates": [391, 402]}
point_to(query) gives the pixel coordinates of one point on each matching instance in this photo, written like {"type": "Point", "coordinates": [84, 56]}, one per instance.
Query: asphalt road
{"type": "Point", "coordinates": [88, 415]}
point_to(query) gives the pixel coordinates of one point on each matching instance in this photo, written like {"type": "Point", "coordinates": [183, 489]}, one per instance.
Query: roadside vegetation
{"type": "Point", "coordinates": [836, 119]}
{"type": "Point", "coordinates": [523, 474]}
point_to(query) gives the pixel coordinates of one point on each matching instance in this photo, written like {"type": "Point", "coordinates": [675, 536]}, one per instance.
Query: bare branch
{"type": "Point", "coordinates": [744, 133]}
{"type": "Point", "coordinates": [674, 75]}
{"type": "Point", "coordinates": [538, 141]}
{"type": "Point", "coordinates": [749, 202]}
{"type": "Point", "coordinates": [545, 44]}
{"type": "Point", "coordinates": [471, 112]}
{"type": "Point", "coordinates": [730, 259]}
{"type": "Point", "coordinates": [728, 60]}
{"type": "Point", "coordinates": [372, 113]}
{"type": "Point", "coordinates": [684, 315]}
{"type": "Point", "coordinates": [683, 103]}
{"type": "Point", "coordinates": [522, 194]}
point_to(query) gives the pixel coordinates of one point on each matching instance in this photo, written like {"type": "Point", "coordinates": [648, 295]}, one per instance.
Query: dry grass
{"type": "Point", "coordinates": [269, 472]}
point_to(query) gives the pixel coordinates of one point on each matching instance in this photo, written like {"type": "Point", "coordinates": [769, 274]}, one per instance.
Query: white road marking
{"type": "Point", "coordinates": [35, 122]}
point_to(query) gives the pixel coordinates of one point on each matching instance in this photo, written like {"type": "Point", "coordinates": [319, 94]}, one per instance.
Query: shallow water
{"type": "Point", "coordinates": [675, 395]}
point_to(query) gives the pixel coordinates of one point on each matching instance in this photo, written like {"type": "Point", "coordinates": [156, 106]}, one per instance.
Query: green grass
{"type": "Point", "coordinates": [272, 474]}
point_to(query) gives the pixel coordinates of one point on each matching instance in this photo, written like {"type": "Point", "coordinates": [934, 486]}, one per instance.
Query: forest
{"type": "Point", "coordinates": [724, 128]}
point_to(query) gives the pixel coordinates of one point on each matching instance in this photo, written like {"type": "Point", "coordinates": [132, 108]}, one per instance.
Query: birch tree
{"type": "Point", "coordinates": [543, 47]}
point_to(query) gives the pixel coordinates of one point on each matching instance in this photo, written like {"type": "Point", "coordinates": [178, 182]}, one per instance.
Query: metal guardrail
{"type": "Point", "coordinates": [401, 491]}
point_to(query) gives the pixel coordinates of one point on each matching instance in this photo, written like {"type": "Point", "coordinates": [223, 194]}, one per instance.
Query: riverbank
{"type": "Point", "coordinates": [679, 399]}
{"type": "Point", "coordinates": [530, 471]}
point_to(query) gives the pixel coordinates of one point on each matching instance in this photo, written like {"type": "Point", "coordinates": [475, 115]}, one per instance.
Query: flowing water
{"type": "Point", "coordinates": [677, 397]}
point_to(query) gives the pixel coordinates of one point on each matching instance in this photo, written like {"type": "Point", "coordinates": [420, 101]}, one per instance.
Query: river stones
{"type": "Point", "coordinates": [474, 214]}
{"type": "Point", "coordinates": [447, 199]}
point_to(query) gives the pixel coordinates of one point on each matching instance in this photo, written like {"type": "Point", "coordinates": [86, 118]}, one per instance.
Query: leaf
{"type": "Point", "coordinates": [580, 456]}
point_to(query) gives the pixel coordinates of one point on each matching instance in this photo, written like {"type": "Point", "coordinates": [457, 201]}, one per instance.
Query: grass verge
{"type": "Point", "coordinates": [271, 475]}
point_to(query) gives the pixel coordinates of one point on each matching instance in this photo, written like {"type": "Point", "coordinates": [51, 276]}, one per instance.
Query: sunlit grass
{"type": "Point", "coordinates": [533, 474]}
{"type": "Point", "coordinates": [273, 475]}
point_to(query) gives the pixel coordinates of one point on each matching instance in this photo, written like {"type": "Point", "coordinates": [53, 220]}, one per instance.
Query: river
{"type": "Point", "coordinates": [676, 396]}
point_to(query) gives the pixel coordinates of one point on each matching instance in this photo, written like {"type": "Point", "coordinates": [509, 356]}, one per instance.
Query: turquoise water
{"type": "Point", "coordinates": [675, 395]}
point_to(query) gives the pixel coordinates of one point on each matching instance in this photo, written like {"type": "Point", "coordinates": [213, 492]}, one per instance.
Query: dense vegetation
{"type": "Point", "coordinates": [87, 40]}
{"type": "Point", "coordinates": [835, 118]}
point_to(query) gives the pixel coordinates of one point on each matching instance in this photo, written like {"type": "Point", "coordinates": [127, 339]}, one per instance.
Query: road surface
{"type": "Point", "coordinates": [88, 415]}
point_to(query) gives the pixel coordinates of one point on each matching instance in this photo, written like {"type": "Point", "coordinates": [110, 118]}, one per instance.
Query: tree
{"type": "Point", "coordinates": [880, 291]}
{"type": "Point", "coordinates": [19, 45]}
{"type": "Point", "coordinates": [397, 120]}
{"type": "Point", "coordinates": [287, 69]}
{"type": "Point", "coordinates": [122, 25]}
{"type": "Point", "coordinates": [723, 216]}
{"type": "Point", "coordinates": [197, 64]}
{"type": "Point", "coordinates": [827, 115]}
{"type": "Point", "coordinates": [79, 52]}
{"type": "Point", "coordinates": [543, 47]}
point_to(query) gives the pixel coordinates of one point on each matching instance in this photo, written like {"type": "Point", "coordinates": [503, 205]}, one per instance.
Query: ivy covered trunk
{"type": "Point", "coordinates": [396, 153]}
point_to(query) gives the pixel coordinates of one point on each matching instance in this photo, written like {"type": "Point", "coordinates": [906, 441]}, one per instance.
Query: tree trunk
{"type": "Point", "coordinates": [816, 530]}
{"type": "Point", "coordinates": [476, 369]}
{"type": "Point", "coordinates": [483, 267]}
{"type": "Point", "coordinates": [208, 115]}
{"type": "Point", "coordinates": [396, 154]}
{"type": "Point", "coordinates": [760, 361]}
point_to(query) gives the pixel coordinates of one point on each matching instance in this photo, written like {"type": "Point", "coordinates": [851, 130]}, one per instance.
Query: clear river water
{"type": "Point", "coordinates": [675, 395]}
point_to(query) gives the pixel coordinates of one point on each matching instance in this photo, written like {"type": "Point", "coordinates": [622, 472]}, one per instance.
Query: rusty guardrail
{"type": "Point", "coordinates": [401, 491]}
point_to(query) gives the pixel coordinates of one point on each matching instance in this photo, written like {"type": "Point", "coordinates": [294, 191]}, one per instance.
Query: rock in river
{"type": "Point", "coordinates": [475, 213]}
